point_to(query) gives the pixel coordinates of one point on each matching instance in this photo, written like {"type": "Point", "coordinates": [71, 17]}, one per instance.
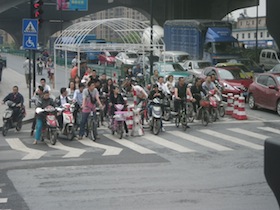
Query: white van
{"type": "Point", "coordinates": [174, 57]}
{"type": "Point", "coordinates": [269, 58]}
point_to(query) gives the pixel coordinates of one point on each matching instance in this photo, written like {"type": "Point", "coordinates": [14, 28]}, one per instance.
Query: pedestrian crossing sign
{"type": "Point", "coordinates": [30, 26]}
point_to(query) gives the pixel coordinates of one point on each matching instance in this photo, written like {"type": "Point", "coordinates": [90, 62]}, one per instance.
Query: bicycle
{"type": "Point", "coordinates": [91, 126]}
{"type": "Point", "coordinates": [181, 117]}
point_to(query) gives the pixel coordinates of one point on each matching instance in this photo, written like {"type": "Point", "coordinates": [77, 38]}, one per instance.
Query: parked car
{"type": "Point", "coordinates": [107, 57]}
{"type": "Point", "coordinates": [275, 69]}
{"type": "Point", "coordinates": [196, 66]}
{"type": "Point", "coordinates": [125, 59]}
{"type": "Point", "coordinates": [264, 92]}
{"type": "Point", "coordinates": [249, 63]}
{"type": "Point", "coordinates": [237, 66]}
{"type": "Point", "coordinates": [269, 58]}
{"type": "Point", "coordinates": [232, 81]}
{"type": "Point", "coordinates": [175, 69]}
{"type": "Point", "coordinates": [144, 60]}
{"type": "Point", "coordinates": [174, 57]}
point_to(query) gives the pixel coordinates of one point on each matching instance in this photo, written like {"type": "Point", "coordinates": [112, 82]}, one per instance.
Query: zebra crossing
{"type": "Point", "coordinates": [175, 140]}
{"type": "Point", "coordinates": [3, 201]}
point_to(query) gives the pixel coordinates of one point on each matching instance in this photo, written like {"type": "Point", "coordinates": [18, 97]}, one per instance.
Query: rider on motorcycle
{"type": "Point", "coordinates": [208, 85]}
{"type": "Point", "coordinates": [18, 99]}
{"type": "Point", "coordinates": [46, 101]}
{"type": "Point", "coordinates": [196, 90]}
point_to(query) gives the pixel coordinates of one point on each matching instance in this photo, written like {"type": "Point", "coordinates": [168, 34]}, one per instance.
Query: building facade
{"type": "Point", "coordinates": [245, 32]}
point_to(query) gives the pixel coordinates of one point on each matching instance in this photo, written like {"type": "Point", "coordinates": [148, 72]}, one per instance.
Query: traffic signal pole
{"type": "Point", "coordinates": [29, 56]}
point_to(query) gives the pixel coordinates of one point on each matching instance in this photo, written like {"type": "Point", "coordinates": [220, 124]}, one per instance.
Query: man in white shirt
{"type": "Point", "coordinates": [44, 85]}
{"type": "Point", "coordinates": [140, 93]}
{"type": "Point", "coordinates": [162, 86]}
{"type": "Point", "coordinates": [28, 75]}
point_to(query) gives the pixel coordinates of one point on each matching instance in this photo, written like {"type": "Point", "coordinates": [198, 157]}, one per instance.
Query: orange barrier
{"type": "Point", "coordinates": [241, 114]}
{"type": "Point", "coordinates": [235, 106]}
{"type": "Point", "coordinates": [229, 109]}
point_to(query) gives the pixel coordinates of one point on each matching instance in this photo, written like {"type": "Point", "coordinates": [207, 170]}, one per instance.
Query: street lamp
{"type": "Point", "coordinates": [151, 41]}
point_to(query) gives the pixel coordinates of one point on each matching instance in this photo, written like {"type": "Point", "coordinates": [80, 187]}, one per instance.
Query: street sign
{"type": "Point", "coordinates": [30, 26]}
{"type": "Point", "coordinates": [30, 41]}
{"type": "Point", "coordinates": [72, 5]}
{"type": "Point", "coordinates": [30, 34]}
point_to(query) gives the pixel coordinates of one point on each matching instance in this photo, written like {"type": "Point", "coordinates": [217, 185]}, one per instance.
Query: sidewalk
{"type": "Point", "coordinates": [9, 79]}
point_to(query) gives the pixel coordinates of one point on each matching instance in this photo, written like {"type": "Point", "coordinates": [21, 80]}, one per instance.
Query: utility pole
{"type": "Point", "coordinates": [257, 29]}
{"type": "Point", "coordinates": [151, 42]}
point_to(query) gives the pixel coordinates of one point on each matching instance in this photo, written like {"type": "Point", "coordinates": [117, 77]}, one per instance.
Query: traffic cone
{"type": "Point", "coordinates": [235, 106]}
{"type": "Point", "coordinates": [241, 114]}
{"type": "Point", "coordinates": [129, 118]}
{"type": "Point", "coordinates": [229, 109]}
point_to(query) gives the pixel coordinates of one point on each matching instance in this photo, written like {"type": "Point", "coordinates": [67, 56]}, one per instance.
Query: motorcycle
{"type": "Point", "coordinates": [213, 109]}
{"type": "Point", "coordinates": [156, 117]}
{"type": "Point", "coordinates": [68, 128]}
{"type": "Point", "coordinates": [50, 124]}
{"type": "Point", "coordinates": [117, 125]}
{"type": "Point", "coordinates": [202, 111]}
{"type": "Point", "coordinates": [8, 121]}
{"type": "Point", "coordinates": [167, 108]}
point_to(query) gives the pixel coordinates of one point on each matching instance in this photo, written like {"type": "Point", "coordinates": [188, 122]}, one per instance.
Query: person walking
{"type": "Point", "coordinates": [28, 74]}
{"type": "Point", "coordinates": [50, 68]}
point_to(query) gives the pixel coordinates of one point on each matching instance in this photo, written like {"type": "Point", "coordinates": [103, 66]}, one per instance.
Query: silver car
{"type": "Point", "coordinates": [196, 66]}
{"type": "Point", "coordinates": [125, 59]}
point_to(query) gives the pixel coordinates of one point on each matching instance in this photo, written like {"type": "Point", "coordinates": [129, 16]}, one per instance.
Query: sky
{"type": "Point", "coordinates": [251, 11]}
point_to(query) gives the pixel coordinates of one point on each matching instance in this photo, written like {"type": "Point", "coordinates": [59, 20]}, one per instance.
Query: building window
{"type": "Point", "coordinates": [243, 35]}
{"type": "Point", "coordinates": [267, 34]}
{"type": "Point", "coordinates": [255, 35]}
{"type": "Point", "coordinates": [237, 36]}
{"type": "Point", "coordinates": [261, 34]}
{"type": "Point", "coordinates": [249, 35]}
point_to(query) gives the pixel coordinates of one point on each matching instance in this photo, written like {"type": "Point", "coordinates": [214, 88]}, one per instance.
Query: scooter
{"type": "Point", "coordinates": [50, 124]}
{"type": "Point", "coordinates": [68, 128]}
{"type": "Point", "coordinates": [8, 121]}
{"type": "Point", "coordinates": [118, 121]}
{"type": "Point", "coordinates": [156, 118]}
{"type": "Point", "coordinates": [213, 109]}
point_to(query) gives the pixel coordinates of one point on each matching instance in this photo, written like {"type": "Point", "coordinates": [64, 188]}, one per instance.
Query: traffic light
{"type": "Point", "coordinates": [38, 11]}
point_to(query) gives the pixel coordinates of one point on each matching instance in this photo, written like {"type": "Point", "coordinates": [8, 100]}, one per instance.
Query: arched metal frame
{"type": "Point", "coordinates": [129, 30]}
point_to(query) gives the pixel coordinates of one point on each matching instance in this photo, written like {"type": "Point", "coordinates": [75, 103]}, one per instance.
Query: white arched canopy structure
{"type": "Point", "coordinates": [133, 34]}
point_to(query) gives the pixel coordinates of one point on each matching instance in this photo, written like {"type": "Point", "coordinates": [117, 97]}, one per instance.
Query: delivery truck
{"type": "Point", "coordinates": [210, 40]}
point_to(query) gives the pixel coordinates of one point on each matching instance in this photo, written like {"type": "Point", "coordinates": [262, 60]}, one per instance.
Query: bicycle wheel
{"type": "Point", "coordinates": [205, 117]}
{"type": "Point", "coordinates": [213, 114]}
{"type": "Point", "coordinates": [222, 111]}
{"type": "Point", "coordinates": [92, 135]}
{"type": "Point", "coordinates": [177, 120]}
{"type": "Point", "coordinates": [184, 121]}
{"type": "Point", "coordinates": [120, 130]}
{"type": "Point", "coordinates": [190, 112]}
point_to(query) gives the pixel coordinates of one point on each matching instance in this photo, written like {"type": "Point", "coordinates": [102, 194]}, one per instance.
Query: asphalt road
{"type": "Point", "coordinates": [217, 167]}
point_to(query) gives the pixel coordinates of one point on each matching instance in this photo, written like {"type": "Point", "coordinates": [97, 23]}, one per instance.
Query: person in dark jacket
{"type": "Point", "coordinates": [60, 101]}
{"type": "Point", "coordinates": [196, 91]}
{"type": "Point", "coordinates": [18, 99]}
{"type": "Point", "coordinates": [46, 101]}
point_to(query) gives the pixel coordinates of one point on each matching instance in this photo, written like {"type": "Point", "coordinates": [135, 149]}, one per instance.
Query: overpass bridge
{"type": "Point", "coordinates": [12, 13]}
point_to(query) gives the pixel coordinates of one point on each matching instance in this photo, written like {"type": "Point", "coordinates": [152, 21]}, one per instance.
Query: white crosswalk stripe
{"type": "Point", "coordinates": [109, 150]}
{"type": "Point", "coordinates": [249, 133]}
{"type": "Point", "coordinates": [130, 145]}
{"type": "Point", "coordinates": [3, 200]}
{"type": "Point", "coordinates": [16, 144]}
{"type": "Point", "coordinates": [232, 139]}
{"type": "Point", "coordinates": [199, 141]}
{"type": "Point", "coordinates": [72, 152]}
{"type": "Point", "coordinates": [272, 130]}
{"type": "Point", "coordinates": [165, 143]}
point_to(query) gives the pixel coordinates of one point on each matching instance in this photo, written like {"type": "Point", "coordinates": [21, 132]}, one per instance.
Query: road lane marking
{"type": "Point", "coordinates": [16, 144]}
{"type": "Point", "coordinates": [168, 144]}
{"type": "Point", "coordinates": [199, 141]}
{"type": "Point", "coordinates": [109, 150]}
{"type": "Point", "coordinates": [3, 200]}
{"type": "Point", "coordinates": [72, 152]}
{"type": "Point", "coordinates": [130, 145]}
{"type": "Point", "coordinates": [249, 133]}
{"type": "Point", "coordinates": [232, 139]}
{"type": "Point", "coordinates": [272, 130]}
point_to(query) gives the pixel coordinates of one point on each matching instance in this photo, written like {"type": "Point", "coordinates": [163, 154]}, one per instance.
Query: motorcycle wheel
{"type": "Point", "coordinates": [19, 125]}
{"type": "Point", "coordinates": [205, 117]}
{"type": "Point", "coordinates": [222, 111]}
{"type": "Point", "coordinates": [120, 130]}
{"type": "Point", "coordinates": [166, 115]}
{"type": "Point", "coordinates": [53, 137]}
{"type": "Point", "coordinates": [5, 129]}
{"type": "Point", "coordinates": [156, 126]}
{"type": "Point", "coordinates": [71, 133]}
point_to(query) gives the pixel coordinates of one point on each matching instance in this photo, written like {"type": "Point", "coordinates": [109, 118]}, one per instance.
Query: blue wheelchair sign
{"type": "Point", "coordinates": [30, 42]}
